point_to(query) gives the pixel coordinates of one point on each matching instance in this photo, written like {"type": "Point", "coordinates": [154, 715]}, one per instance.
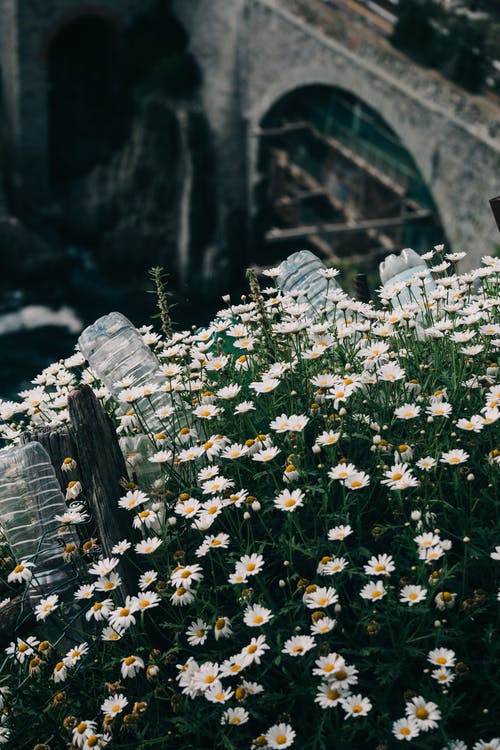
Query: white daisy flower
{"type": "Point", "coordinates": [114, 704]}
{"type": "Point", "coordinates": [256, 616]}
{"type": "Point", "coordinates": [339, 533]}
{"type": "Point", "coordinates": [427, 463]}
{"type": "Point", "coordinates": [148, 546]}
{"type": "Point", "coordinates": [21, 572]}
{"type": "Point", "coordinates": [426, 713]}
{"type": "Point", "coordinates": [407, 411]}
{"type": "Point", "coordinates": [235, 716]}
{"type": "Point", "coordinates": [323, 625]}
{"type": "Point", "coordinates": [355, 706]}
{"type": "Point", "coordinates": [383, 565]}
{"type": "Point", "coordinates": [322, 596]}
{"type": "Point", "coordinates": [412, 595]}
{"type": "Point", "coordinates": [280, 736]}
{"type": "Point", "coordinates": [443, 676]}
{"type": "Point", "coordinates": [327, 696]}
{"type": "Point", "coordinates": [289, 501]}
{"type": "Point", "coordinates": [298, 645]}
{"type": "Point", "coordinates": [373, 591]}
{"type": "Point", "coordinates": [197, 632]}
{"type": "Point", "coordinates": [454, 457]}
{"type": "Point", "coordinates": [131, 666]}
{"type": "Point", "coordinates": [405, 729]}
{"type": "Point", "coordinates": [442, 657]}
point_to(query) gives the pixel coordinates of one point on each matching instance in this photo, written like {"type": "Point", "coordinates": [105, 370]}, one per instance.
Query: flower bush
{"type": "Point", "coordinates": [314, 534]}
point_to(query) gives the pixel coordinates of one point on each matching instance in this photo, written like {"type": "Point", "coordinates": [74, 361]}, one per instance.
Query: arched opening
{"type": "Point", "coordinates": [336, 179]}
{"type": "Point", "coordinates": [87, 106]}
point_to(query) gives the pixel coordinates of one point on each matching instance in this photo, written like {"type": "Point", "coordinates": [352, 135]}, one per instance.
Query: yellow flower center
{"type": "Point", "coordinates": [129, 660]}
{"type": "Point", "coordinates": [124, 612]}
{"type": "Point", "coordinates": [340, 674]}
{"type": "Point", "coordinates": [280, 739]}
{"type": "Point", "coordinates": [405, 731]}
{"type": "Point", "coordinates": [441, 660]}
{"type": "Point", "coordinates": [422, 713]}
{"type": "Point", "coordinates": [82, 727]}
{"type": "Point", "coordinates": [22, 647]}
{"type": "Point", "coordinates": [289, 503]}
{"type": "Point", "coordinates": [397, 476]}
{"type": "Point", "coordinates": [357, 709]}
{"type": "Point", "coordinates": [258, 619]}
{"type": "Point", "coordinates": [18, 569]}
{"type": "Point", "coordinates": [252, 648]}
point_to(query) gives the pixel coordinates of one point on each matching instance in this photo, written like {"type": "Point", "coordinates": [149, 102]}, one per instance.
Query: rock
{"type": "Point", "coordinates": [130, 205]}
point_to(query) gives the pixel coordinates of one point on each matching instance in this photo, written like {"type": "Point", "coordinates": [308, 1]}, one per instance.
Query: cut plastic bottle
{"type": "Point", "coordinates": [30, 499]}
{"type": "Point", "coordinates": [299, 273]}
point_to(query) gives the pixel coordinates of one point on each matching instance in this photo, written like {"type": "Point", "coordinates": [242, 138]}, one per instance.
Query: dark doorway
{"type": "Point", "coordinates": [88, 109]}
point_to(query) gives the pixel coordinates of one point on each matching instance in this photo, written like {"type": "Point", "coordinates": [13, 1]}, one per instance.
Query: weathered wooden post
{"type": "Point", "coordinates": [101, 466]}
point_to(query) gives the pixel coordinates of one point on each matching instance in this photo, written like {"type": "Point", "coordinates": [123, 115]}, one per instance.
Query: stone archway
{"type": "Point", "coordinates": [372, 173]}
{"type": "Point", "coordinates": [87, 109]}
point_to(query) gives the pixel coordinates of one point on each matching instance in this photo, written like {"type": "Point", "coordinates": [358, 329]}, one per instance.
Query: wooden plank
{"type": "Point", "coordinates": [277, 235]}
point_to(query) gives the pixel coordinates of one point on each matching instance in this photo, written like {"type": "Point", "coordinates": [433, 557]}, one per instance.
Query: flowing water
{"type": "Point", "coordinates": [41, 325]}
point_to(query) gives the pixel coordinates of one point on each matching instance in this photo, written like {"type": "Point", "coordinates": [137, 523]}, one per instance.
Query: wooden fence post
{"type": "Point", "coordinates": [101, 466]}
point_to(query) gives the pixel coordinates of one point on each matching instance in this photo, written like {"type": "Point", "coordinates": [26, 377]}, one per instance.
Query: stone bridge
{"type": "Point", "coordinates": [252, 53]}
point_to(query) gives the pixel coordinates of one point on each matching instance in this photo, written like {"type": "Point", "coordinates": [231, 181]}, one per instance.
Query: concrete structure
{"type": "Point", "coordinates": [253, 52]}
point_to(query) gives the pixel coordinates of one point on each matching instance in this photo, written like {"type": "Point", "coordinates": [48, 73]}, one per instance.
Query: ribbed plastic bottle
{"type": "Point", "coordinates": [115, 350]}
{"type": "Point", "coordinates": [299, 273]}
{"type": "Point", "coordinates": [30, 498]}
{"type": "Point", "coordinates": [398, 268]}
{"type": "Point", "coordinates": [137, 449]}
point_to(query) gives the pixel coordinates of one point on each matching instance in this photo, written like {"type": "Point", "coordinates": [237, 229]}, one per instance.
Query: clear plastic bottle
{"type": "Point", "coordinates": [400, 268]}
{"type": "Point", "coordinates": [30, 499]}
{"type": "Point", "coordinates": [137, 450]}
{"type": "Point", "coordinates": [115, 350]}
{"type": "Point", "coordinates": [299, 273]}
